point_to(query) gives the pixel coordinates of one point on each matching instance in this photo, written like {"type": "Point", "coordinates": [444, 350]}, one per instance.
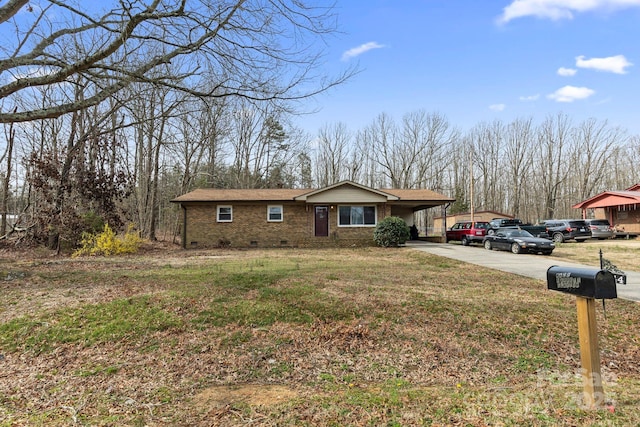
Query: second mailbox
{"type": "Point", "coordinates": [584, 282]}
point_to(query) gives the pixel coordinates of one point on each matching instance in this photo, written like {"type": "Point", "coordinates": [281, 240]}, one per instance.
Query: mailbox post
{"type": "Point", "coordinates": [587, 285]}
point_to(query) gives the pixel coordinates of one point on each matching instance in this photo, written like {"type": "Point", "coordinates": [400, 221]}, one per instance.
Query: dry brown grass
{"type": "Point", "coordinates": [623, 253]}
{"type": "Point", "coordinates": [299, 337]}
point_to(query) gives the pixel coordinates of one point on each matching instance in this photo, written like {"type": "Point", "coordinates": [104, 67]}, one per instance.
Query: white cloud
{"type": "Point", "coordinates": [530, 98]}
{"type": "Point", "coordinates": [612, 64]}
{"type": "Point", "coordinates": [559, 9]}
{"type": "Point", "coordinates": [571, 93]}
{"type": "Point", "coordinates": [356, 51]}
{"type": "Point", "coordinates": [567, 72]}
{"type": "Point", "coordinates": [497, 107]}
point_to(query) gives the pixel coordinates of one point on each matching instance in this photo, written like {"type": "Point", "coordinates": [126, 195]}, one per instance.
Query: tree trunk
{"type": "Point", "coordinates": [5, 190]}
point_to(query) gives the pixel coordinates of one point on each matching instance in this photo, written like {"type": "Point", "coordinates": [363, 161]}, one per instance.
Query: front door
{"type": "Point", "coordinates": [322, 221]}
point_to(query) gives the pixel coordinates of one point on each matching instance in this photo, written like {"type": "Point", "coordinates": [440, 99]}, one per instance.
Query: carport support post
{"type": "Point", "coordinates": [589, 353]}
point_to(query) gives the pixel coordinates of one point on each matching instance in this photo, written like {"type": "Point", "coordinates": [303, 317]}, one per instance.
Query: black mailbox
{"type": "Point", "coordinates": [584, 282]}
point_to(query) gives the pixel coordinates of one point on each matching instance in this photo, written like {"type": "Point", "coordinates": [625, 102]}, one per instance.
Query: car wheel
{"type": "Point", "coordinates": [546, 253]}
{"type": "Point", "coordinates": [515, 248]}
{"type": "Point", "coordinates": [490, 232]}
{"type": "Point", "coordinates": [487, 245]}
{"type": "Point", "coordinates": [558, 237]}
{"type": "Point", "coordinates": [465, 241]}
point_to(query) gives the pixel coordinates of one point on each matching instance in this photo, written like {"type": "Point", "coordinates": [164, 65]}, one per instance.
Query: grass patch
{"type": "Point", "coordinates": [98, 370]}
{"type": "Point", "coordinates": [298, 304]}
{"type": "Point", "coordinates": [123, 319]}
{"type": "Point", "coordinates": [623, 253]}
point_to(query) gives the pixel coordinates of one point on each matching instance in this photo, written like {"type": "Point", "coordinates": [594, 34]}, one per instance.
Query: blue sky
{"type": "Point", "coordinates": [480, 60]}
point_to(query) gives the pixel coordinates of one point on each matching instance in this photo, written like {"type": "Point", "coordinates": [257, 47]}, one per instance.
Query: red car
{"type": "Point", "coordinates": [468, 231]}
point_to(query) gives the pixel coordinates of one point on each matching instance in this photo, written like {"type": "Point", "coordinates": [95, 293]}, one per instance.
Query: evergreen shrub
{"type": "Point", "coordinates": [391, 231]}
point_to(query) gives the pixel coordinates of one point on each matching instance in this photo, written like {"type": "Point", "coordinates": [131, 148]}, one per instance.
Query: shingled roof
{"type": "Point", "coordinates": [236, 195]}
{"type": "Point", "coordinates": [288, 194]}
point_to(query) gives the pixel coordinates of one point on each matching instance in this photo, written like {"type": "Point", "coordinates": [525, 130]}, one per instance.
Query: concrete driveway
{"type": "Point", "coordinates": [534, 266]}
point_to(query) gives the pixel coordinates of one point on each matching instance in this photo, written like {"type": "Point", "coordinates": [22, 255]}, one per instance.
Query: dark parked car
{"type": "Point", "coordinates": [562, 230]}
{"type": "Point", "coordinates": [496, 223]}
{"type": "Point", "coordinates": [535, 230]}
{"type": "Point", "coordinates": [600, 228]}
{"type": "Point", "coordinates": [518, 241]}
{"type": "Point", "coordinates": [468, 231]}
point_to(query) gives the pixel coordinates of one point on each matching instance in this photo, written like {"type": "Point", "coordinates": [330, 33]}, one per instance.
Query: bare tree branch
{"type": "Point", "coordinates": [10, 9]}
{"type": "Point", "coordinates": [260, 50]}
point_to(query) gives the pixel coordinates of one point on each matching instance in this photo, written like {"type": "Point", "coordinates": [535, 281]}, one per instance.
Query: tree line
{"type": "Point", "coordinates": [532, 170]}
{"type": "Point", "coordinates": [107, 116]}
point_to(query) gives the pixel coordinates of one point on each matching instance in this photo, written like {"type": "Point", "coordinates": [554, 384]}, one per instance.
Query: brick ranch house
{"type": "Point", "coordinates": [343, 214]}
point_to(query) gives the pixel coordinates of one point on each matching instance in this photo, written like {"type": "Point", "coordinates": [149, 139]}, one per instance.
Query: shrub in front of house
{"type": "Point", "coordinates": [391, 231]}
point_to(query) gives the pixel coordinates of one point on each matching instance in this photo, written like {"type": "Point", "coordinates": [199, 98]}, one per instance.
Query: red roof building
{"type": "Point", "coordinates": [621, 208]}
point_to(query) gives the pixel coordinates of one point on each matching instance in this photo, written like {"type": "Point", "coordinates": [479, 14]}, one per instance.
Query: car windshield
{"type": "Point", "coordinates": [599, 222]}
{"type": "Point", "coordinates": [519, 233]}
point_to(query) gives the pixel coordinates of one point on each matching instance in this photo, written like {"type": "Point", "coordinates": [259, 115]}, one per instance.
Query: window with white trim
{"type": "Point", "coordinates": [274, 213]}
{"type": "Point", "coordinates": [225, 213]}
{"type": "Point", "coordinates": [356, 216]}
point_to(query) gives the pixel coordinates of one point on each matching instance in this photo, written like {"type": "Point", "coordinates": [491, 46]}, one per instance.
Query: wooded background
{"type": "Point", "coordinates": [108, 115]}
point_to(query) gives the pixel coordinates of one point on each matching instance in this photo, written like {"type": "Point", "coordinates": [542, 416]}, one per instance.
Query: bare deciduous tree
{"type": "Point", "coordinates": [487, 145]}
{"type": "Point", "coordinates": [222, 48]}
{"type": "Point", "coordinates": [384, 136]}
{"type": "Point", "coordinates": [332, 153]}
{"type": "Point", "coordinates": [518, 162]}
{"type": "Point", "coordinates": [427, 139]}
{"type": "Point", "coordinates": [595, 147]}
{"type": "Point", "coordinates": [554, 145]}
{"type": "Point", "coordinates": [152, 114]}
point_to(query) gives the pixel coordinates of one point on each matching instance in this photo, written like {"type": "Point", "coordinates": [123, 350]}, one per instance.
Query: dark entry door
{"type": "Point", "coordinates": [322, 221]}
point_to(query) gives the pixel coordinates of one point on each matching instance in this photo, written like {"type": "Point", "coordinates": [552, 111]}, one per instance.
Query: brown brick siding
{"type": "Point", "coordinates": [627, 220]}
{"type": "Point", "coordinates": [250, 227]}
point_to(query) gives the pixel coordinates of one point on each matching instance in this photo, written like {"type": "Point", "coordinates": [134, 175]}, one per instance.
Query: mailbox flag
{"type": "Point", "coordinates": [618, 275]}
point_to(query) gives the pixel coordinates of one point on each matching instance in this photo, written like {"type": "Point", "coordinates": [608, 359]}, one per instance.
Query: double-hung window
{"type": "Point", "coordinates": [274, 213]}
{"type": "Point", "coordinates": [356, 216]}
{"type": "Point", "coordinates": [225, 213]}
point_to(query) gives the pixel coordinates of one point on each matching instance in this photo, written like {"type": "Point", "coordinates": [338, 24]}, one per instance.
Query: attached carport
{"type": "Point", "coordinates": [413, 205]}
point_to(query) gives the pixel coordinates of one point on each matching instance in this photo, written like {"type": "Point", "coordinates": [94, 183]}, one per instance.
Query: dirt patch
{"type": "Point", "coordinates": [250, 394]}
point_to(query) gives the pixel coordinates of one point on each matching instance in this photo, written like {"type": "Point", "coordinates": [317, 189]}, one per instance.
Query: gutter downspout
{"type": "Point", "coordinates": [184, 226]}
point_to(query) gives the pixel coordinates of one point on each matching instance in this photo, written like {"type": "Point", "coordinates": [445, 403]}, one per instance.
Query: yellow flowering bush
{"type": "Point", "coordinates": [108, 243]}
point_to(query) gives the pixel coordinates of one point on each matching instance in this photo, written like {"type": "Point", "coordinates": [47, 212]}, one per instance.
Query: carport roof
{"type": "Point", "coordinates": [610, 199]}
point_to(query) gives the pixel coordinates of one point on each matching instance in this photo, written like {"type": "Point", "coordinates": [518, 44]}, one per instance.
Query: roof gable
{"type": "Point", "coordinates": [346, 191]}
